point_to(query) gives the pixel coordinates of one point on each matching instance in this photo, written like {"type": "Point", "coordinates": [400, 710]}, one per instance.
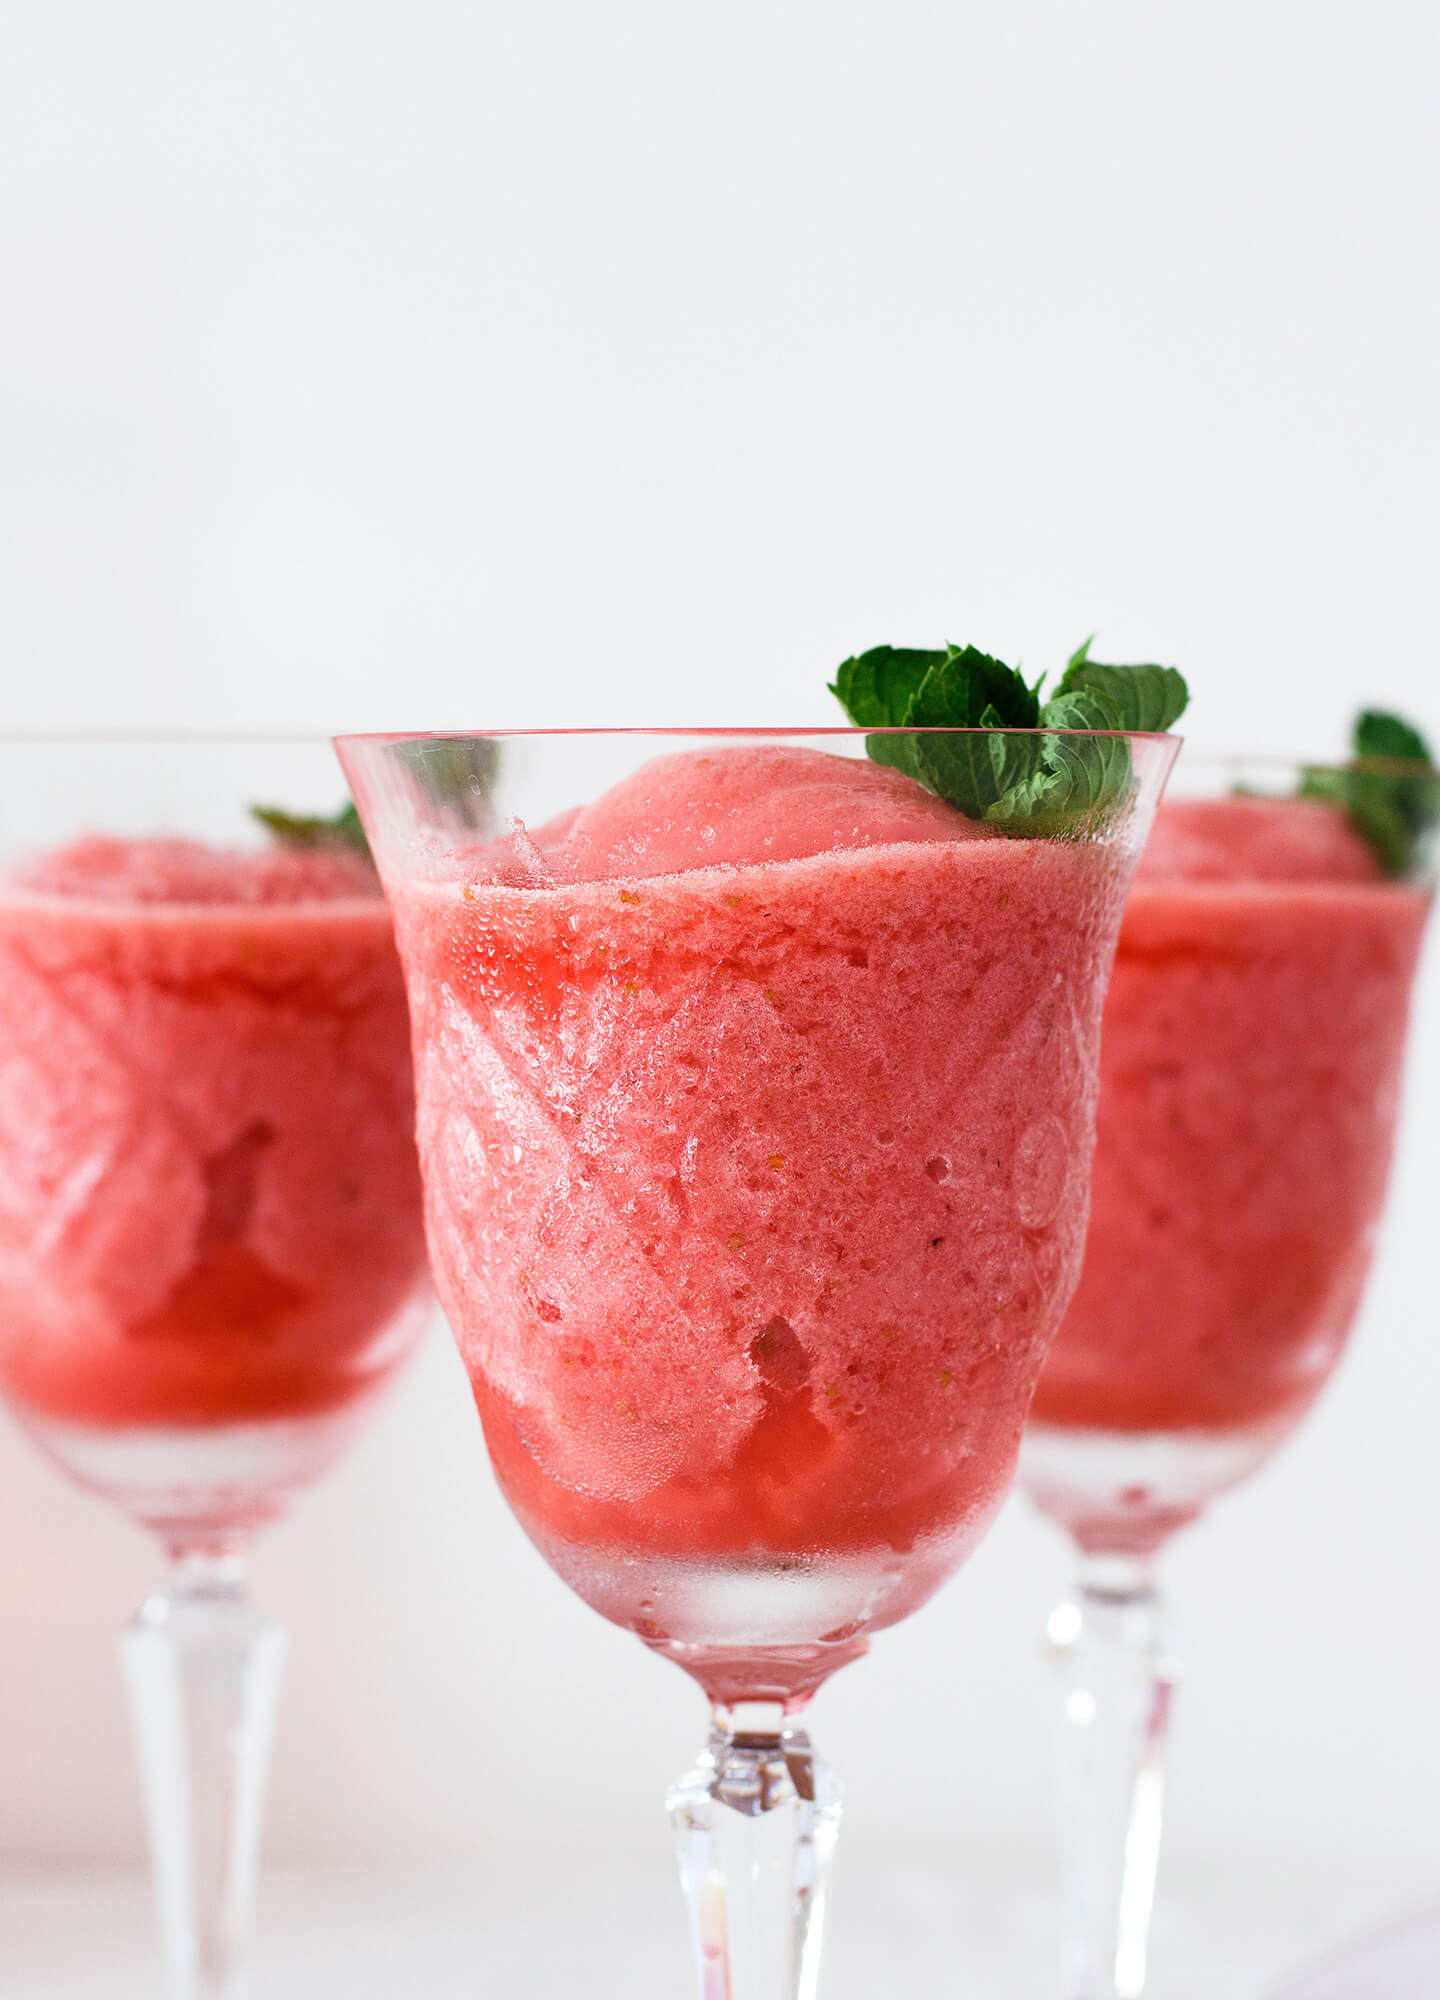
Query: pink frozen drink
{"type": "Point", "coordinates": [1250, 1070]}
{"type": "Point", "coordinates": [755, 1106]}
{"type": "Point", "coordinates": [209, 1199]}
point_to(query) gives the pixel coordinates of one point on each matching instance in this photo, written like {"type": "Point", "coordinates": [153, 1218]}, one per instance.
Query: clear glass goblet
{"type": "Point", "coordinates": [1250, 1072]}
{"type": "Point", "coordinates": [755, 1096]}
{"type": "Point", "coordinates": [211, 1245]}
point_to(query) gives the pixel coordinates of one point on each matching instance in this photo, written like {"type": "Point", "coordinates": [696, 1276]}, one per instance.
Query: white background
{"type": "Point", "coordinates": [447, 365]}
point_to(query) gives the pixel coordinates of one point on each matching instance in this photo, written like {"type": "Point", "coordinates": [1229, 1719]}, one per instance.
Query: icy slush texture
{"type": "Point", "coordinates": [755, 1190]}
{"type": "Point", "coordinates": [1250, 1071]}
{"type": "Point", "coordinates": [209, 1203]}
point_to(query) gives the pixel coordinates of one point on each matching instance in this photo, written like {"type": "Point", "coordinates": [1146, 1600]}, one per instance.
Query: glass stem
{"type": "Point", "coordinates": [203, 1670]}
{"type": "Point", "coordinates": [1118, 1672]}
{"type": "Point", "coordinates": [755, 1825]}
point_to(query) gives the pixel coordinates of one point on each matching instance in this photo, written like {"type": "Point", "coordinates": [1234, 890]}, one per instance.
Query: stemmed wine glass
{"type": "Point", "coordinates": [1250, 1072]}
{"type": "Point", "coordinates": [755, 1095]}
{"type": "Point", "coordinates": [211, 1247]}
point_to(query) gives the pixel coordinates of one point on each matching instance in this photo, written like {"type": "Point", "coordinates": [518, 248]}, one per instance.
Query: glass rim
{"type": "Point", "coordinates": [739, 732]}
{"type": "Point", "coordinates": [1269, 760]}
{"type": "Point", "coordinates": [1193, 759]}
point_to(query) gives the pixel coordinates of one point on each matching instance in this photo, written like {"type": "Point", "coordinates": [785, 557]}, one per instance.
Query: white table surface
{"type": "Point", "coordinates": [600, 1931]}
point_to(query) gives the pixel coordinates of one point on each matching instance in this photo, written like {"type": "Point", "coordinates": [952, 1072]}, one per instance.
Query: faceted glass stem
{"type": "Point", "coordinates": [755, 1825]}
{"type": "Point", "coordinates": [1118, 1673]}
{"type": "Point", "coordinates": [203, 1671]}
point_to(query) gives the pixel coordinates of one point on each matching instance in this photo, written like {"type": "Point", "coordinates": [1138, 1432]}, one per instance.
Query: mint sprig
{"type": "Point", "coordinates": [1390, 789]}
{"type": "Point", "coordinates": [1041, 783]}
{"type": "Point", "coordinates": [1148, 699]}
{"type": "Point", "coordinates": [307, 830]}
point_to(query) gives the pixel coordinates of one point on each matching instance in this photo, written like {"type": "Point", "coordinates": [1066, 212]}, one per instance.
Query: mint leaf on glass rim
{"type": "Point", "coordinates": [1377, 734]}
{"type": "Point", "coordinates": [967, 689]}
{"type": "Point", "coordinates": [1390, 789]}
{"type": "Point", "coordinates": [956, 687]}
{"type": "Point", "coordinates": [880, 689]}
{"type": "Point", "coordinates": [309, 830]}
{"type": "Point", "coordinates": [455, 773]}
{"type": "Point", "coordinates": [875, 688]}
{"type": "Point", "coordinates": [1145, 698]}
{"type": "Point", "coordinates": [1022, 775]}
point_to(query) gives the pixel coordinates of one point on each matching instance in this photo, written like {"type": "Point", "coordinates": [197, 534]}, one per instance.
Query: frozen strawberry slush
{"type": "Point", "coordinates": [1250, 1069]}
{"type": "Point", "coordinates": [209, 1198]}
{"type": "Point", "coordinates": [755, 1107]}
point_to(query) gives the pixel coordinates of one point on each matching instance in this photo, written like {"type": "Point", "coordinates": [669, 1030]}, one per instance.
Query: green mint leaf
{"type": "Point", "coordinates": [876, 688]}
{"type": "Point", "coordinates": [1370, 806]}
{"type": "Point", "coordinates": [1377, 734]}
{"type": "Point", "coordinates": [304, 830]}
{"type": "Point", "coordinates": [896, 751]}
{"type": "Point", "coordinates": [1022, 774]}
{"type": "Point", "coordinates": [1390, 790]}
{"type": "Point", "coordinates": [969, 771]}
{"type": "Point", "coordinates": [1073, 779]}
{"type": "Point", "coordinates": [963, 686]}
{"type": "Point", "coordinates": [1093, 770]}
{"type": "Point", "coordinates": [1144, 698]}
{"type": "Point", "coordinates": [879, 689]}
{"type": "Point", "coordinates": [1081, 708]}
{"type": "Point", "coordinates": [970, 690]}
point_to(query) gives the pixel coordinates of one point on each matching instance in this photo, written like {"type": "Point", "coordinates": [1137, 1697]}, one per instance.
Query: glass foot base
{"type": "Point", "coordinates": [1126, 1492]}
{"type": "Point", "coordinates": [1399, 1962]}
{"type": "Point", "coordinates": [203, 1484]}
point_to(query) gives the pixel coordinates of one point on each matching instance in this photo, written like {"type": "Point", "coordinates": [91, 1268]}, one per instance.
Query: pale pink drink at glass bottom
{"type": "Point", "coordinates": [211, 1251]}
{"type": "Point", "coordinates": [755, 1108]}
{"type": "Point", "coordinates": [1250, 1071]}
